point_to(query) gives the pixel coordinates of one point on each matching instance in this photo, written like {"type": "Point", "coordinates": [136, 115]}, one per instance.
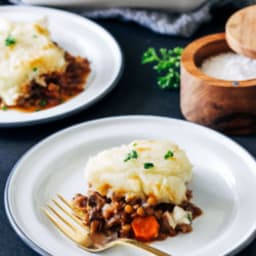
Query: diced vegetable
{"type": "Point", "coordinates": [145, 228]}
{"type": "Point", "coordinates": [170, 219]}
{"type": "Point", "coordinates": [180, 216]}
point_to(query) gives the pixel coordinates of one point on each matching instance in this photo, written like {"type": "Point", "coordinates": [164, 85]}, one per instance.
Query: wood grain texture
{"type": "Point", "coordinates": [241, 31]}
{"type": "Point", "coordinates": [228, 106]}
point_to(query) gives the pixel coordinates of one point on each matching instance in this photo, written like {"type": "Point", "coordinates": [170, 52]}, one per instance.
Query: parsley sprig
{"type": "Point", "coordinates": [132, 155]}
{"type": "Point", "coordinates": [168, 154]}
{"type": "Point", "coordinates": [148, 165]}
{"type": "Point", "coordinates": [4, 108]}
{"type": "Point", "coordinates": [9, 41]}
{"type": "Point", "coordinates": [166, 64]}
{"type": "Point", "coordinates": [190, 217]}
{"type": "Point", "coordinates": [43, 103]}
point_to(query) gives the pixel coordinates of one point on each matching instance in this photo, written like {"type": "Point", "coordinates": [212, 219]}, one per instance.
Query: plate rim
{"type": "Point", "coordinates": [22, 235]}
{"type": "Point", "coordinates": [93, 101]}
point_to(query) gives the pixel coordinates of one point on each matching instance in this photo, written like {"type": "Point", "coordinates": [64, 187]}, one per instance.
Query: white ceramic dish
{"type": "Point", "coordinates": [224, 184]}
{"type": "Point", "coordinates": [79, 36]}
{"type": "Point", "coordinates": [181, 5]}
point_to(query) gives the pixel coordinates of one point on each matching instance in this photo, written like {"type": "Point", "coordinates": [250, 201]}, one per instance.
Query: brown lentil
{"type": "Point", "coordinates": [151, 200]}
{"type": "Point", "coordinates": [140, 211]}
{"type": "Point", "coordinates": [128, 209]}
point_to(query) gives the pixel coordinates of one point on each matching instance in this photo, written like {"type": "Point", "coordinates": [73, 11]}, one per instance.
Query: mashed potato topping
{"type": "Point", "coordinates": [26, 52]}
{"type": "Point", "coordinates": [142, 168]}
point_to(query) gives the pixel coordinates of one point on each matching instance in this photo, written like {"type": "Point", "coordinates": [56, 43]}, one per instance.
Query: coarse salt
{"type": "Point", "coordinates": [230, 66]}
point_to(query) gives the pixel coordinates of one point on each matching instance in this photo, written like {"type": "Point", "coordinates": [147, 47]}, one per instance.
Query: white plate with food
{"type": "Point", "coordinates": [53, 63]}
{"type": "Point", "coordinates": [139, 161]}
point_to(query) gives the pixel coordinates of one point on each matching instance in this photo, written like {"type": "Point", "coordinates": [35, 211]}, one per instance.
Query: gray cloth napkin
{"type": "Point", "coordinates": [167, 23]}
{"type": "Point", "coordinates": [158, 21]}
{"type": "Point", "coordinates": [184, 24]}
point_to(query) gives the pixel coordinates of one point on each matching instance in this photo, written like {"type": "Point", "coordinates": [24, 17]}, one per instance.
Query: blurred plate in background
{"type": "Point", "coordinates": [181, 5]}
{"type": "Point", "coordinates": [79, 36]}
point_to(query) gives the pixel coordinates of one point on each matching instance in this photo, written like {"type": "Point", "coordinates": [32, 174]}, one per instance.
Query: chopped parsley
{"type": "Point", "coordinates": [134, 144]}
{"type": "Point", "coordinates": [4, 108]}
{"type": "Point", "coordinates": [132, 155]}
{"type": "Point", "coordinates": [43, 103]}
{"type": "Point", "coordinates": [9, 41]}
{"type": "Point", "coordinates": [189, 216]}
{"type": "Point", "coordinates": [148, 165]}
{"type": "Point", "coordinates": [35, 69]}
{"type": "Point", "coordinates": [169, 154]}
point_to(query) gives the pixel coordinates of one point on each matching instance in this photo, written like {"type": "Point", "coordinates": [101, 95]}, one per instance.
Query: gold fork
{"type": "Point", "coordinates": [63, 217]}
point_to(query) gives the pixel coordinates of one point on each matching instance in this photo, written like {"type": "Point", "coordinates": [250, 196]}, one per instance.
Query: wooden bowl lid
{"type": "Point", "coordinates": [241, 31]}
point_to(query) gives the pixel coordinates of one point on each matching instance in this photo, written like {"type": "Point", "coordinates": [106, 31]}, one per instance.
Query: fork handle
{"type": "Point", "coordinates": [143, 246]}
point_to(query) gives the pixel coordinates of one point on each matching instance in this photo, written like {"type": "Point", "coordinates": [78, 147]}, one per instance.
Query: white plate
{"type": "Point", "coordinates": [224, 184]}
{"type": "Point", "coordinates": [79, 36]}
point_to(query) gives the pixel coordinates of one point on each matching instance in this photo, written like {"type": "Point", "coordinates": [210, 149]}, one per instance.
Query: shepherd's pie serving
{"type": "Point", "coordinates": [35, 72]}
{"type": "Point", "coordinates": [138, 191]}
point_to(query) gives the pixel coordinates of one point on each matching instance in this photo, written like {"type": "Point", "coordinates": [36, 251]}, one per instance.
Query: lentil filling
{"type": "Point", "coordinates": [58, 86]}
{"type": "Point", "coordinates": [119, 217]}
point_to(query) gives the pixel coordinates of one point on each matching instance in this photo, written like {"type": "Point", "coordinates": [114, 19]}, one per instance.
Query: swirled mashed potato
{"type": "Point", "coordinates": [26, 52]}
{"type": "Point", "coordinates": [142, 168]}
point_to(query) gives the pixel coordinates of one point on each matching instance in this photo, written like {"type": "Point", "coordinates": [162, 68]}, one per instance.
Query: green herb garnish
{"type": "Point", "coordinates": [189, 216]}
{"type": "Point", "coordinates": [167, 64]}
{"type": "Point", "coordinates": [4, 108]}
{"type": "Point", "coordinates": [34, 36]}
{"type": "Point", "coordinates": [169, 154]}
{"type": "Point", "coordinates": [43, 103]}
{"type": "Point", "coordinates": [9, 41]}
{"type": "Point", "coordinates": [148, 165]}
{"type": "Point", "coordinates": [34, 69]}
{"type": "Point", "coordinates": [134, 144]}
{"type": "Point", "coordinates": [132, 155]}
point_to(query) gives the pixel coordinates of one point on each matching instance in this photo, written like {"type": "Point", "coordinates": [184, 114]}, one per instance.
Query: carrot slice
{"type": "Point", "coordinates": [145, 228]}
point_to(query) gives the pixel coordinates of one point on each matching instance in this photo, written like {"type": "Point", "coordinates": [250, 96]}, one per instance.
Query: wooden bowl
{"type": "Point", "coordinates": [228, 106]}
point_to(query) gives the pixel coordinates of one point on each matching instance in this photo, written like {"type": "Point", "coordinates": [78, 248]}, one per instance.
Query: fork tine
{"type": "Point", "coordinates": [62, 228]}
{"type": "Point", "coordinates": [80, 223]}
{"type": "Point", "coordinates": [61, 217]}
{"type": "Point", "coordinates": [65, 201]}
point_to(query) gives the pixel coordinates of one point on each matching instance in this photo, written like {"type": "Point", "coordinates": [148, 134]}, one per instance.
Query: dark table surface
{"type": "Point", "coordinates": [136, 93]}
